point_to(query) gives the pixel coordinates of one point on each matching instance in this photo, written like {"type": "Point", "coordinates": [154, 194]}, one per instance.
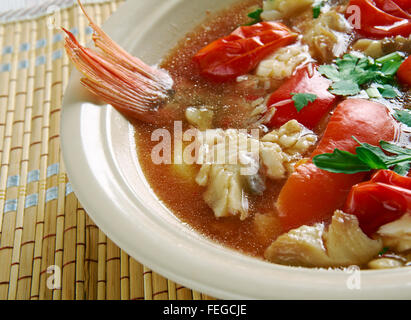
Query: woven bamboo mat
{"type": "Point", "coordinates": [45, 234]}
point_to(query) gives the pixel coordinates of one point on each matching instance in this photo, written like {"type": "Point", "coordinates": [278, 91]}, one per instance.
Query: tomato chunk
{"type": "Point", "coordinates": [386, 198]}
{"type": "Point", "coordinates": [404, 4]}
{"type": "Point", "coordinates": [404, 72]}
{"type": "Point", "coordinates": [241, 51]}
{"type": "Point", "coordinates": [312, 195]}
{"type": "Point", "coordinates": [390, 7]}
{"type": "Point", "coordinates": [305, 80]}
{"type": "Point", "coordinates": [388, 19]}
{"type": "Point", "coordinates": [392, 178]}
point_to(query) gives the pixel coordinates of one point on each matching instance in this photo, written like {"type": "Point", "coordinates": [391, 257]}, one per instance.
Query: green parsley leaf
{"type": "Point", "coordinates": [394, 56]}
{"type": "Point", "coordinates": [370, 158]}
{"type": "Point", "coordinates": [403, 116]}
{"type": "Point", "coordinates": [256, 16]}
{"type": "Point", "coordinates": [301, 100]}
{"type": "Point", "coordinates": [388, 91]}
{"type": "Point", "coordinates": [345, 88]}
{"type": "Point", "coordinates": [349, 62]}
{"type": "Point", "coordinates": [402, 157]}
{"type": "Point", "coordinates": [376, 151]}
{"type": "Point", "coordinates": [402, 169]}
{"type": "Point", "coordinates": [394, 149]}
{"type": "Point", "coordinates": [354, 72]}
{"type": "Point", "coordinates": [330, 71]}
{"type": "Point", "coordinates": [317, 9]}
{"type": "Point", "coordinates": [383, 251]}
{"type": "Point", "coordinates": [390, 68]}
{"type": "Point", "coordinates": [340, 162]}
{"type": "Point", "coordinates": [367, 158]}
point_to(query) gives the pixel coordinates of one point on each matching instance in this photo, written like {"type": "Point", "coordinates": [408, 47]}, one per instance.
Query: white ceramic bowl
{"type": "Point", "coordinates": [100, 157]}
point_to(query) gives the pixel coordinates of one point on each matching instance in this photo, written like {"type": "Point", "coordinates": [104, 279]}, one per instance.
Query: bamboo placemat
{"type": "Point", "coordinates": [45, 234]}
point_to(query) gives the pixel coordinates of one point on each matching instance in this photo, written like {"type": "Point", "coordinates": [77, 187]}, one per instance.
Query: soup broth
{"type": "Point", "coordinates": [175, 184]}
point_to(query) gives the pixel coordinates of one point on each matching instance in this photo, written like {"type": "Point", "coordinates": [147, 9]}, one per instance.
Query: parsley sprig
{"type": "Point", "coordinates": [384, 251]}
{"type": "Point", "coordinates": [403, 116]}
{"type": "Point", "coordinates": [317, 8]}
{"type": "Point", "coordinates": [367, 158]}
{"type": "Point", "coordinates": [255, 16]}
{"type": "Point", "coordinates": [355, 71]}
{"type": "Point", "coordinates": [301, 100]}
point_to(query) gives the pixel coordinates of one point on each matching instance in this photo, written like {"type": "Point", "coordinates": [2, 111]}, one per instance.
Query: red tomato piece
{"type": "Point", "coordinates": [404, 4]}
{"type": "Point", "coordinates": [386, 198]}
{"type": "Point", "coordinates": [377, 23]}
{"type": "Point", "coordinates": [305, 80]}
{"type": "Point", "coordinates": [241, 51]}
{"type": "Point", "coordinates": [392, 178]}
{"type": "Point", "coordinates": [404, 72]}
{"type": "Point", "coordinates": [390, 7]}
{"type": "Point", "coordinates": [312, 195]}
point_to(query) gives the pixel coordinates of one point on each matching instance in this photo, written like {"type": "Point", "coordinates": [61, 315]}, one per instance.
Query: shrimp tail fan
{"type": "Point", "coordinates": [134, 88]}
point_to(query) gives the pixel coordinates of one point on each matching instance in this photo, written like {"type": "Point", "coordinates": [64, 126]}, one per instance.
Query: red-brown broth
{"type": "Point", "coordinates": [256, 233]}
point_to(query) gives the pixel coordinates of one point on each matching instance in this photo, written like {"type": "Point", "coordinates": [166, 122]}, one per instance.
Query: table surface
{"type": "Point", "coordinates": [49, 246]}
{"type": "Point", "coordinates": [19, 4]}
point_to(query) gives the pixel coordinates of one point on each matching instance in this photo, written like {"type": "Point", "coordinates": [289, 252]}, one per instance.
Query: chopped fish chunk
{"type": "Point", "coordinates": [233, 164]}
{"type": "Point", "coordinates": [397, 234]}
{"type": "Point", "coordinates": [280, 9]}
{"type": "Point", "coordinates": [343, 244]}
{"type": "Point", "coordinates": [328, 37]}
{"type": "Point", "coordinates": [201, 118]}
{"type": "Point", "coordinates": [283, 62]}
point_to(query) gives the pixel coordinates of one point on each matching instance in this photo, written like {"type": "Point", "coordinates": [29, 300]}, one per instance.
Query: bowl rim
{"type": "Point", "coordinates": [91, 143]}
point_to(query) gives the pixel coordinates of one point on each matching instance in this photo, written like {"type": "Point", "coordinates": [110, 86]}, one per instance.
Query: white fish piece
{"type": "Point", "coordinates": [397, 234]}
{"type": "Point", "coordinates": [342, 244]}
{"type": "Point", "coordinates": [280, 9]}
{"type": "Point", "coordinates": [282, 63]}
{"type": "Point", "coordinates": [233, 164]}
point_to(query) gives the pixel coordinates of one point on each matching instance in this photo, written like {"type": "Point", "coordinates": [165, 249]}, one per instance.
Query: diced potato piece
{"type": "Point", "coordinates": [201, 118]}
{"type": "Point", "coordinates": [179, 167]}
{"type": "Point", "coordinates": [379, 48]}
{"type": "Point", "coordinates": [343, 244]}
{"type": "Point", "coordinates": [372, 48]}
{"type": "Point", "coordinates": [185, 171]}
{"type": "Point", "coordinates": [397, 234]}
{"type": "Point", "coordinates": [280, 9]}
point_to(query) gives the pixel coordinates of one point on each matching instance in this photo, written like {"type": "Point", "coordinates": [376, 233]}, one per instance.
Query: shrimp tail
{"type": "Point", "coordinates": [135, 89]}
